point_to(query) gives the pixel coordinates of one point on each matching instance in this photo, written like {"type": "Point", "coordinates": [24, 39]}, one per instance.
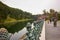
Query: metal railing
{"type": "Point", "coordinates": [4, 35]}
{"type": "Point", "coordinates": [34, 33]}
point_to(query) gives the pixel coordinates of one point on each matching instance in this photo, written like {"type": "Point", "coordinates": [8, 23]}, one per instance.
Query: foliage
{"type": "Point", "coordinates": [52, 13]}
{"type": "Point", "coordinates": [13, 12]}
{"type": "Point", "coordinates": [10, 18]}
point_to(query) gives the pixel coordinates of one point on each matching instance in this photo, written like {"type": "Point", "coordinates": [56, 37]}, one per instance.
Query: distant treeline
{"type": "Point", "coordinates": [13, 12]}
{"type": "Point", "coordinates": [52, 13]}
{"type": "Point", "coordinates": [9, 15]}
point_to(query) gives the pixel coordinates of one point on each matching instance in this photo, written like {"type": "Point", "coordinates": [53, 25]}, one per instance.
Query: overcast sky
{"type": "Point", "coordinates": [33, 6]}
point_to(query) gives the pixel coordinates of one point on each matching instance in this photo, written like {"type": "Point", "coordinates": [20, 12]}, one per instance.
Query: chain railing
{"type": "Point", "coordinates": [34, 33]}
{"type": "Point", "coordinates": [4, 35]}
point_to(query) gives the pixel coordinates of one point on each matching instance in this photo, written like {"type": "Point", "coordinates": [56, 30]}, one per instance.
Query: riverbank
{"type": "Point", "coordinates": [15, 26]}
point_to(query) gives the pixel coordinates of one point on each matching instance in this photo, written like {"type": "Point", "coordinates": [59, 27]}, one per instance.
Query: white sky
{"type": "Point", "coordinates": [33, 6]}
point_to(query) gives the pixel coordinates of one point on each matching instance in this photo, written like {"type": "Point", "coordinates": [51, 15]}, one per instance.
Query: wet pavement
{"type": "Point", "coordinates": [51, 32]}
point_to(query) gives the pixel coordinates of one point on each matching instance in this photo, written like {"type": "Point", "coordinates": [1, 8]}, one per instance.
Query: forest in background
{"type": "Point", "coordinates": [13, 19]}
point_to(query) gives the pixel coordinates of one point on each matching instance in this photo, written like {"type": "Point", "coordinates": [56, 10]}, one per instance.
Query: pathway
{"type": "Point", "coordinates": [51, 32]}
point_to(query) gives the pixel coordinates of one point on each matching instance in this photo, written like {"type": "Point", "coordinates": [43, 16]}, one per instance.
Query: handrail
{"type": "Point", "coordinates": [34, 34]}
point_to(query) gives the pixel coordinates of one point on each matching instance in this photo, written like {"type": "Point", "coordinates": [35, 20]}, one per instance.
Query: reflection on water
{"type": "Point", "coordinates": [19, 34]}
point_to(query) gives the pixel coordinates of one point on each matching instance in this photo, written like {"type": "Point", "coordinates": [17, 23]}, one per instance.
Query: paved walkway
{"type": "Point", "coordinates": [51, 32]}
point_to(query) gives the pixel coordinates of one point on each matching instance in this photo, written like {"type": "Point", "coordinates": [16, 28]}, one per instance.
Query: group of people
{"type": "Point", "coordinates": [54, 19]}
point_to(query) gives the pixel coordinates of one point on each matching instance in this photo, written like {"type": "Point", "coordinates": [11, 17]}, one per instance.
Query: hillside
{"type": "Point", "coordinates": [13, 19]}
{"type": "Point", "coordinates": [13, 12]}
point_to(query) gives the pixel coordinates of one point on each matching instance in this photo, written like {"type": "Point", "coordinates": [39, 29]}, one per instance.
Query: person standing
{"type": "Point", "coordinates": [55, 22]}
{"type": "Point", "coordinates": [55, 18]}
